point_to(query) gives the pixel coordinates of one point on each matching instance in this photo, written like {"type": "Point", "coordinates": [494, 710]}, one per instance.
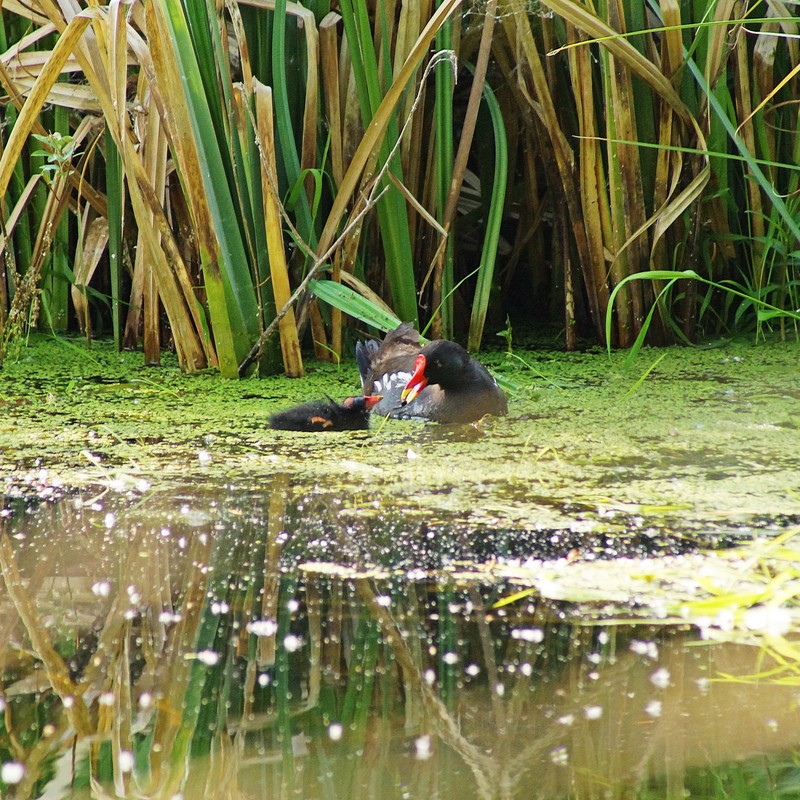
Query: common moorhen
{"type": "Point", "coordinates": [439, 382]}
{"type": "Point", "coordinates": [352, 414]}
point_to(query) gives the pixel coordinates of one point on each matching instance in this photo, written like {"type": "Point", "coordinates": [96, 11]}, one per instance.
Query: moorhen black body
{"type": "Point", "coordinates": [439, 381]}
{"type": "Point", "coordinates": [352, 414]}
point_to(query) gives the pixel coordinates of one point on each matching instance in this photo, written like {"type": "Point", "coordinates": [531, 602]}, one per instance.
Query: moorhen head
{"type": "Point", "coordinates": [439, 382]}
{"type": "Point", "coordinates": [352, 414]}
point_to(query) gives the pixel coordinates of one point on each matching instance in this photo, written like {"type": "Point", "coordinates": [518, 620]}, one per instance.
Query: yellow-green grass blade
{"type": "Point", "coordinates": [392, 212]}
{"type": "Point", "coordinates": [332, 91]}
{"type": "Point", "coordinates": [592, 173]}
{"type": "Point", "coordinates": [788, 219]}
{"type": "Point", "coordinates": [229, 285]}
{"type": "Point", "coordinates": [586, 20]}
{"type": "Point", "coordinates": [242, 155]}
{"type": "Point", "coordinates": [480, 302]}
{"type": "Point", "coordinates": [354, 304]}
{"type": "Point", "coordinates": [283, 120]}
{"type": "Point", "coordinates": [228, 117]}
{"type": "Point", "coordinates": [116, 205]}
{"type": "Point", "coordinates": [252, 154]}
{"type": "Point", "coordinates": [55, 282]}
{"type": "Point", "coordinates": [290, 345]}
{"type": "Point", "coordinates": [443, 148]}
{"type": "Point", "coordinates": [28, 117]}
{"type": "Point", "coordinates": [766, 309]}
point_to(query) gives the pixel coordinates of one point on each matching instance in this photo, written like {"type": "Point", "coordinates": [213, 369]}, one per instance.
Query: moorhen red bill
{"type": "Point", "coordinates": [352, 414]}
{"type": "Point", "coordinates": [438, 382]}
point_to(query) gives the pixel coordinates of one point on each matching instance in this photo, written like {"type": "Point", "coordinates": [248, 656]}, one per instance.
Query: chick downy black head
{"type": "Point", "coordinates": [352, 414]}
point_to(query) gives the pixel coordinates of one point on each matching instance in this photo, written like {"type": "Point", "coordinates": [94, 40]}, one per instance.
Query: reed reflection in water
{"type": "Point", "coordinates": [190, 647]}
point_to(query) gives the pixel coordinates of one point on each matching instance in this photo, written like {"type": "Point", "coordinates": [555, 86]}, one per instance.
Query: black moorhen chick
{"type": "Point", "coordinates": [352, 414]}
{"type": "Point", "coordinates": [439, 382]}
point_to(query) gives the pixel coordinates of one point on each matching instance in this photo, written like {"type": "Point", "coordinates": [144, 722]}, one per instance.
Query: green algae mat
{"type": "Point", "coordinates": [596, 595]}
{"type": "Point", "coordinates": [685, 438]}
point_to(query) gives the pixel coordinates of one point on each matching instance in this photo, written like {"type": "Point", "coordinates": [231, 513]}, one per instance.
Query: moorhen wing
{"type": "Point", "coordinates": [439, 382]}
{"type": "Point", "coordinates": [352, 414]}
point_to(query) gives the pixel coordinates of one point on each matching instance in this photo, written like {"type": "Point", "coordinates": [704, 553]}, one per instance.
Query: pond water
{"type": "Point", "coordinates": [595, 597]}
{"type": "Point", "coordinates": [222, 642]}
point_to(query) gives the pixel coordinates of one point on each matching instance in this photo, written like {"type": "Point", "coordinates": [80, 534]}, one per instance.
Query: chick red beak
{"type": "Point", "coordinates": [362, 403]}
{"type": "Point", "coordinates": [417, 383]}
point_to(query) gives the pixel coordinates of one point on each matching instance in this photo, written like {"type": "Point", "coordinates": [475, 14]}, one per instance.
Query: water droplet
{"type": "Point", "coordinates": [12, 772]}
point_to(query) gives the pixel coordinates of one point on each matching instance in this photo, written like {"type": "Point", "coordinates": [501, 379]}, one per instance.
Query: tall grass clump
{"type": "Point", "coordinates": [201, 174]}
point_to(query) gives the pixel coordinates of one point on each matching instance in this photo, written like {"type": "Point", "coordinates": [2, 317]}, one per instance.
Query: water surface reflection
{"type": "Point", "coordinates": [253, 645]}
